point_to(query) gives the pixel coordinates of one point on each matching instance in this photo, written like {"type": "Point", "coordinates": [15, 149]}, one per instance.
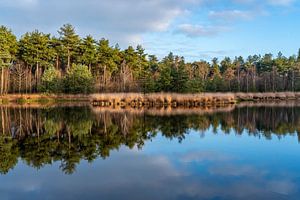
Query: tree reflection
{"type": "Point", "coordinates": [41, 136]}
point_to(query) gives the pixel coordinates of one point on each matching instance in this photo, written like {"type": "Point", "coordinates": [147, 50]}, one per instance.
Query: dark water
{"type": "Point", "coordinates": [79, 153]}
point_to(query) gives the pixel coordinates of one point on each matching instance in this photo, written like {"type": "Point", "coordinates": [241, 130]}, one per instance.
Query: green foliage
{"type": "Point", "coordinates": [215, 85]}
{"type": "Point", "coordinates": [179, 77]}
{"type": "Point", "coordinates": [87, 51]}
{"type": "Point", "coordinates": [51, 82]}
{"type": "Point", "coordinates": [164, 82]}
{"type": "Point", "coordinates": [9, 154]}
{"type": "Point", "coordinates": [195, 85]}
{"type": "Point", "coordinates": [78, 80]}
{"type": "Point", "coordinates": [149, 84]}
{"type": "Point", "coordinates": [8, 46]}
{"type": "Point", "coordinates": [70, 43]}
{"type": "Point", "coordinates": [107, 57]}
{"type": "Point", "coordinates": [35, 49]}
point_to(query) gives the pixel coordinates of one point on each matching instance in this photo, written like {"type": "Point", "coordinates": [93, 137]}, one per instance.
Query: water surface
{"type": "Point", "coordinates": [86, 153]}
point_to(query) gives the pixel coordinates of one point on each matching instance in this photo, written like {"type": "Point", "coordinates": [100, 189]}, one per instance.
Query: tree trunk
{"type": "Point", "coordinates": [69, 60]}
{"type": "Point", "coordinates": [254, 80]}
{"type": "Point", "coordinates": [293, 80]}
{"type": "Point", "coordinates": [6, 79]}
{"type": "Point", "coordinates": [26, 81]}
{"type": "Point", "coordinates": [57, 62]}
{"type": "Point", "coordinates": [20, 82]}
{"type": "Point", "coordinates": [239, 81]}
{"type": "Point", "coordinates": [2, 79]}
{"type": "Point", "coordinates": [247, 81]}
{"type": "Point", "coordinates": [104, 78]}
{"type": "Point", "coordinates": [30, 80]}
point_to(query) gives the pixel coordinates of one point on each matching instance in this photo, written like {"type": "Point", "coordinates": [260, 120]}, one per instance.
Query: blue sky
{"type": "Point", "coordinates": [196, 29]}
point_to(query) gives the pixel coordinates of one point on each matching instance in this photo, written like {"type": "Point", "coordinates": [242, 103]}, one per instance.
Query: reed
{"type": "Point", "coordinates": [161, 99]}
{"type": "Point", "coordinates": [139, 100]}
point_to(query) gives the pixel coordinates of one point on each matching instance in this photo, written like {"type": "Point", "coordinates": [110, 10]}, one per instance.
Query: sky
{"type": "Point", "coordinates": [195, 29]}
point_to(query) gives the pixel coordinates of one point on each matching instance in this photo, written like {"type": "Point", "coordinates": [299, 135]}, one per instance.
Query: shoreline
{"type": "Point", "coordinates": [140, 100]}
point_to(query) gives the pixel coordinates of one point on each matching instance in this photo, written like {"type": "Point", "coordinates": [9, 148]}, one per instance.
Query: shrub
{"type": "Point", "coordinates": [51, 83]}
{"type": "Point", "coordinates": [78, 80]}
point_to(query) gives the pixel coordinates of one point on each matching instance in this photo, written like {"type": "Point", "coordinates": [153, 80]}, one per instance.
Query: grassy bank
{"type": "Point", "coordinates": [42, 98]}
{"type": "Point", "coordinates": [137, 100]}
{"type": "Point", "coordinates": [175, 100]}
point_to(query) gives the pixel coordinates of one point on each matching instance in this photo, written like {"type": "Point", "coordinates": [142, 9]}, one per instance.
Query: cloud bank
{"type": "Point", "coordinates": [123, 21]}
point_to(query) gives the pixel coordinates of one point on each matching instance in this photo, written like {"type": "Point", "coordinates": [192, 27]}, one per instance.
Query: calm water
{"type": "Point", "coordinates": [83, 153]}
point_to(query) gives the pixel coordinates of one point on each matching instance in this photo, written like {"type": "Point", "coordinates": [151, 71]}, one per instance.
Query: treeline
{"type": "Point", "coordinates": [39, 62]}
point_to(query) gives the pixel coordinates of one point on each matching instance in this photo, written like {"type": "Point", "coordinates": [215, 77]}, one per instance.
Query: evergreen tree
{"type": "Point", "coordinates": [36, 51]}
{"type": "Point", "coordinates": [8, 50]}
{"type": "Point", "coordinates": [179, 76]}
{"type": "Point", "coordinates": [70, 43]}
{"type": "Point", "coordinates": [151, 75]}
{"type": "Point", "coordinates": [88, 52]}
{"type": "Point", "coordinates": [215, 69]}
{"type": "Point", "coordinates": [107, 61]}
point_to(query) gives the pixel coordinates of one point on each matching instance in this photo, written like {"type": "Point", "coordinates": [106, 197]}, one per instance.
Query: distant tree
{"type": "Point", "coordinates": [107, 59]}
{"type": "Point", "coordinates": [8, 50]}
{"type": "Point", "coordinates": [35, 50]}
{"type": "Point", "coordinates": [195, 85]}
{"type": "Point", "coordinates": [141, 67]}
{"type": "Point", "coordinates": [239, 66]}
{"type": "Point", "coordinates": [225, 64]}
{"type": "Point", "coordinates": [88, 51]}
{"type": "Point", "coordinates": [215, 69]}
{"type": "Point", "coordinates": [165, 79]}
{"type": "Point", "coordinates": [201, 69]}
{"type": "Point", "coordinates": [151, 74]}
{"type": "Point", "coordinates": [70, 43]}
{"type": "Point", "coordinates": [179, 76]}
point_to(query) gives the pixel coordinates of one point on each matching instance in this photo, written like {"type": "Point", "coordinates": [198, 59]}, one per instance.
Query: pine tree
{"type": "Point", "coordinates": [107, 61]}
{"type": "Point", "coordinates": [87, 52]}
{"type": "Point", "coordinates": [36, 51]}
{"type": "Point", "coordinates": [179, 76]}
{"type": "Point", "coordinates": [8, 50]}
{"type": "Point", "coordinates": [215, 69]}
{"type": "Point", "coordinates": [70, 43]}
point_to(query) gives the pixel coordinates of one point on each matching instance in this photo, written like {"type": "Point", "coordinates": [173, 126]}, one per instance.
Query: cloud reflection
{"type": "Point", "coordinates": [137, 175]}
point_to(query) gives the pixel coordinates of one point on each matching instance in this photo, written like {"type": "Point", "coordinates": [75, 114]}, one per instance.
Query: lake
{"type": "Point", "coordinates": [80, 152]}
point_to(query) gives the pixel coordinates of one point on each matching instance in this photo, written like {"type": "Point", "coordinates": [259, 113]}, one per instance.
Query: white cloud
{"type": "Point", "coordinates": [19, 3]}
{"type": "Point", "coordinates": [194, 30]}
{"type": "Point", "coordinates": [118, 20]}
{"type": "Point", "coordinates": [126, 21]}
{"type": "Point", "coordinates": [202, 156]}
{"type": "Point", "coordinates": [230, 15]}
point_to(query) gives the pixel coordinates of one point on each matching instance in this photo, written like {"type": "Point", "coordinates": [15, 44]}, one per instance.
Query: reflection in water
{"type": "Point", "coordinates": [79, 152]}
{"type": "Point", "coordinates": [70, 134]}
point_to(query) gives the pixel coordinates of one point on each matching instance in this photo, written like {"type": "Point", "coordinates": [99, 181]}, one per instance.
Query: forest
{"type": "Point", "coordinates": [66, 63]}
